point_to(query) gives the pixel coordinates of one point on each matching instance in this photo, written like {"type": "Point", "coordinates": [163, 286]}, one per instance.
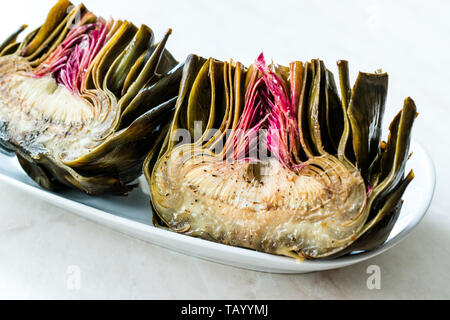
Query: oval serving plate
{"type": "Point", "coordinates": [132, 215]}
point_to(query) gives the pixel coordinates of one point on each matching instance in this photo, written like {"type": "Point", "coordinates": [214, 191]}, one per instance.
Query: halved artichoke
{"type": "Point", "coordinates": [83, 100]}
{"type": "Point", "coordinates": [324, 185]}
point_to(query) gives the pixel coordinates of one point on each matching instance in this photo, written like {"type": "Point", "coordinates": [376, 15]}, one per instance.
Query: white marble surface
{"type": "Point", "coordinates": [409, 40]}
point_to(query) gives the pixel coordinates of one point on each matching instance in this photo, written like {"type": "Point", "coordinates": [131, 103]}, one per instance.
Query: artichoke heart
{"type": "Point", "coordinates": [275, 159]}
{"type": "Point", "coordinates": [83, 100]}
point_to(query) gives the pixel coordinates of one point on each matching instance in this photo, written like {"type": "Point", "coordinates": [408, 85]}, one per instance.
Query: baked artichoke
{"type": "Point", "coordinates": [280, 162]}
{"type": "Point", "coordinates": [83, 100]}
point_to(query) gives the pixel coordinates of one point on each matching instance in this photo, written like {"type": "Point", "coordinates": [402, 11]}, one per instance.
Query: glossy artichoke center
{"type": "Point", "coordinates": [44, 99]}
{"type": "Point", "coordinates": [267, 207]}
{"type": "Point", "coordinates": [43, 116]}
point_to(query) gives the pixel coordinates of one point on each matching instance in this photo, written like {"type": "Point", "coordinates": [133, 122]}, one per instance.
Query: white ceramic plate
{"type": "Point", "coordinates": [132, 215]}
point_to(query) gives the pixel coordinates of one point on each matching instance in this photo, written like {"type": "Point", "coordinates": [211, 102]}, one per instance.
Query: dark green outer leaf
{"type": "Point", "coordinates": [120, 43]}
{"type": "Point", "coordinates": [316, 107]}
{"type": "Point", "coordinates": [345, 148]}
{"type": "Point", "coordinates": [191, 69]}
{"type": "Point", "coordinates": [166, 63]}
{"type": "Point", "coordinates": [365, 113]}
{"type": "Point", "coordinates": [305, 140]}
{"type": "Point", "coordinates": [143, 40]}
{"type": "Point", "coordinates": [334, 114]}
{"type": "Point", "coordinates": [148, 72]}
{"type": "Point", "coordinates": [320, 111]}
{"type": "Point", "coordinates": [54, 19]}
{"type": "Point", "coordinates": [11, 40]}
{"type": "Point", "coordinates": [52, 176]}
{"type": "Point", "coordinates": [200, 97]}
{"type": "Point", "coordinates": [163, 90]}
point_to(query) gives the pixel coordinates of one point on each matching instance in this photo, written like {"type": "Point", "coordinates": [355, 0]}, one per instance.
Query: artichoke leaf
{"type": "Point", "coordinates": [11, 40]}
{"type": "Point", "coordinates": [134, 71]}
{"type": "Point", "coordinates": [120, 68]}
{"type": "Point", "coordinates": [165, 66]}
{"type": "Point", "coordinates": [320, 121]}
{"type": "Point", "coordinates": [239, 92]}
{"type": "Point", "coordinates": [52, 23]}
{"type": "Point", "coordinates": [365, 113]}
{"type": "Point", "coordinates": [316, 106]}
{"type": "Point", "coordinates": [222, 122]}
{"type": "Point", "coordinates": [147, 73]}
{"type": "Point", "coordinates": [38, 173]}
{"type": "Point", "coordinates": [166, 63]}
{"type": "Point", "coordinates": [10, 49]}
{"type": "Point", "coordinates": [112, 50]}
{"type": "Point", "coordinates": [193, 65]}
{"type": "Point", "coordinates": [305, 139]}
{"type": "Point", "coordinates": [152, 95]}
{"type": "Point", "coordinates": [396, 152]}
{"type": "Point", "coordinates": [334, 114]}
{"type": "Point", "coordinates": [345, 148]}
{"type": "Point", "coordinates": [200, 108]}
{"type": "Point", "coordinates": [296, 74]}
{"type": "Point", "coordinates": [53, 175]}
{"type": "Point", "coordinates": [221, 106]}
{"type": "Point", "coordinates": [56, 37]}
